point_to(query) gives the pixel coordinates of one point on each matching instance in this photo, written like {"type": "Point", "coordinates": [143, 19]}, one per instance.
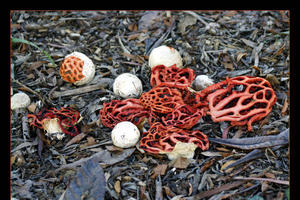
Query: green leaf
{"type": "Point", "coordinates": [18, 40]}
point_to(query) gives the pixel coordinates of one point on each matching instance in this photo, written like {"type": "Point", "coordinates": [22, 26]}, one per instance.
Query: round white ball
{"type": "Point", "coordinates": [125, 134]}
{"type": "Point", "coordinates": [19, 100]}
{"type": "Point", "coordinates": [88, 69]}
{"type": "Point", "coordinates": [164, 55]}
{"type": "Point", "coordinates": [201, 82]}
{"type": "Point", "coordinates": [128, 85]}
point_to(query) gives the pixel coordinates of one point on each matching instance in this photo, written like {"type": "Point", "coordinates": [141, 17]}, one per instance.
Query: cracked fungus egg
{"type": "Point", "coordinates": [164, 55]}
{"type": "Point", "coordinates": [201, 82]}
{"type": "Point", "coordinates": [128, 85]}
{"type": "Point", "coordinates": [125, 134]}
{"type": "Point", "coordinates": [77, 68]}
{"type": "Point", "coordinates": [19, 100]}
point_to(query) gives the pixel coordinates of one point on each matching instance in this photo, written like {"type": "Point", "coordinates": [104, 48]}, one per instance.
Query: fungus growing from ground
{"type": "Point", "coordinates": [55, 121]}
{"type": "Point", "coordinates": [164, 55]}
{"type": "Point", "coordinates": [128, 85]}
{"type": "Point", "coordinates": [244, 100]}
{"type": "Point", "coordinates": [77, 68]}
{"type": "Point", "coordinates": [183, 116]}
{"type": "Point", "coordinates": [125, 134]}
{"type": "Point", "coordinates": [122, 110]}
{"type": "Point", "coordinates": [161, 99]}
{"type": "Point", "coordinates": [162, 139]}
{"type": "Point", "coordinates": [161, 74]}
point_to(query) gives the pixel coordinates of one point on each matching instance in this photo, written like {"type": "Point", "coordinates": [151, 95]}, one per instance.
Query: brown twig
{"type": "Point", "coordinates": [263, 179]}
{"type": "Point", "coordinates": [77, 91]}
{"type": "Point", "coordinates": [255, 142]}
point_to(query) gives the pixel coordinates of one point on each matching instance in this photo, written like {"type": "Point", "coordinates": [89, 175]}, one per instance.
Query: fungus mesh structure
{"type": "Point", "coordinates": [244, 100]}
{"type": "Point", "coordinates": [67, 119]}
{"type": "Point", "coordinates": [183, 116]}
{"type": "Point", "coordinates": [122, 110]}
{"type": "Point", "coordinates": [162, 139]}
{"type": "Point", "coordinates": [71, 69]}
{"type": "Point", "coordinates": [161, 99]}
{"type": "Point", "coordinates": [161, 74]}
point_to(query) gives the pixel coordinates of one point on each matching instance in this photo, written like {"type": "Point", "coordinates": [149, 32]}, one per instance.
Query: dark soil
{"type": "Point", "coordinates": [219, 44]}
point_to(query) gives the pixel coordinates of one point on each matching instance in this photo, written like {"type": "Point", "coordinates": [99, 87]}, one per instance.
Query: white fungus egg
{"type": "Point", "coordinates": [164, 55]}
{"type": "Point", "coordinates": [201, 82]}
{"type": "Point", "coordinates": [125, 134]}
{"type": "Point", "coordinates": [128, 85]}
{"type": "Point", "coordinates": [19, 100]}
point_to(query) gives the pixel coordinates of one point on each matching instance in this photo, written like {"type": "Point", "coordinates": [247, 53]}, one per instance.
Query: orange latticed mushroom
{"type": "Point", "coordinates": [244, 100]}
{"type": "Point", "coordinates": [161, 74]}
{"type": "Point", "coordinates": [122, 110]}
{"type": "Point", "coordinates": [54, 121]}
{"type": "Point", "coordinates": [161, 99]}
{"type": "Point", "coordinates": [162, 139]}
{"type": "Point", "coordinates": [183, 116]}
{"type": "Point", "coordinates": [77, 68]}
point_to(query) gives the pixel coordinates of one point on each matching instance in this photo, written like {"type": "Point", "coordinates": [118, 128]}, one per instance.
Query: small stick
{"type": "Point", "coordinates": [255, 142]}
{"type": "Point", "coordinates": [125, 50]}
{"type": "Point", "coordinates": [25, 126]}
{"type": "Point", "coordinates": [76, 91]}
{"type": "Point", "coordinates": [263, 179]}
{"type": "Point", "coordinates": [44, 100]}
{"type": "Point", "coordinates": [158, 194]}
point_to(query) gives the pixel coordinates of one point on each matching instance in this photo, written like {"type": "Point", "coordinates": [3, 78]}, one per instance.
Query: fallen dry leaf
{"type": "Point", "coordinates": [89, 182]}
{"type": "Point", "coordinates": [264, 186]}
{"type": "Point", "coordinates": [32, 107]}
{"type": "Point", "coordinates": [180, 163]}
{"type": "Point", "coordinates": [91, 141]}
{"type": "Point", "coordinates": [239, 56]}
{"type": "Point", "coordinates": [285, 107]}
{"type": "Point", "coordinates": [113, 148]}
{"type": "Point", "coordinates": [181, 149]}
{"type": "Point", "coordinates": [117, 186]}
{"type": "Point", "coordinates": [226, 164]}
{"type": "Point", "coordinates": [207, 165]}
{"type": "Point", "coordinates": [76, 139]}
{"type": "Point", "coordinates": [159, 170]}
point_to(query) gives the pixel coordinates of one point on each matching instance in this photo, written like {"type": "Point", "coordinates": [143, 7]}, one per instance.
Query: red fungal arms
{"type": "Point", "coordinates": [67, 118]}
{"type": "Point", "coordinates": [162, 139]}
{"type": "Point", "coordinates": [122, 110]}
{"type": "Point", "coordinates": [243, 101]}
{"type": "Point", "coordinates": [161, 74]}
{"type": "Point", "coordinates": [172, 108]}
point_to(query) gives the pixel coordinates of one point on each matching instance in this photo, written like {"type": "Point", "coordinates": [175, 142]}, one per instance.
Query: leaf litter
{"type": "Point", "coordinates": [217, 43]}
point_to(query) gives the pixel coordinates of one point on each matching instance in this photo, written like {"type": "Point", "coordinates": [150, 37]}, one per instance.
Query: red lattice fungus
{"type": "Point", "coordinates": [71, 69]}
{"type": "Point", "coordinates": [162, 139]}
{"type": "Point", "coordinates": [184, 117]}
{"type": "Point", "coordinates": [67, 119]}
{"type": "Point", "coordinates": [244, 100]}
{"type": "Point", "coordinates": [161, 99]}
{"type": "Point", "coordinates": [161, 74]}
{"type": "Point", "coordinates": [122, 110]}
